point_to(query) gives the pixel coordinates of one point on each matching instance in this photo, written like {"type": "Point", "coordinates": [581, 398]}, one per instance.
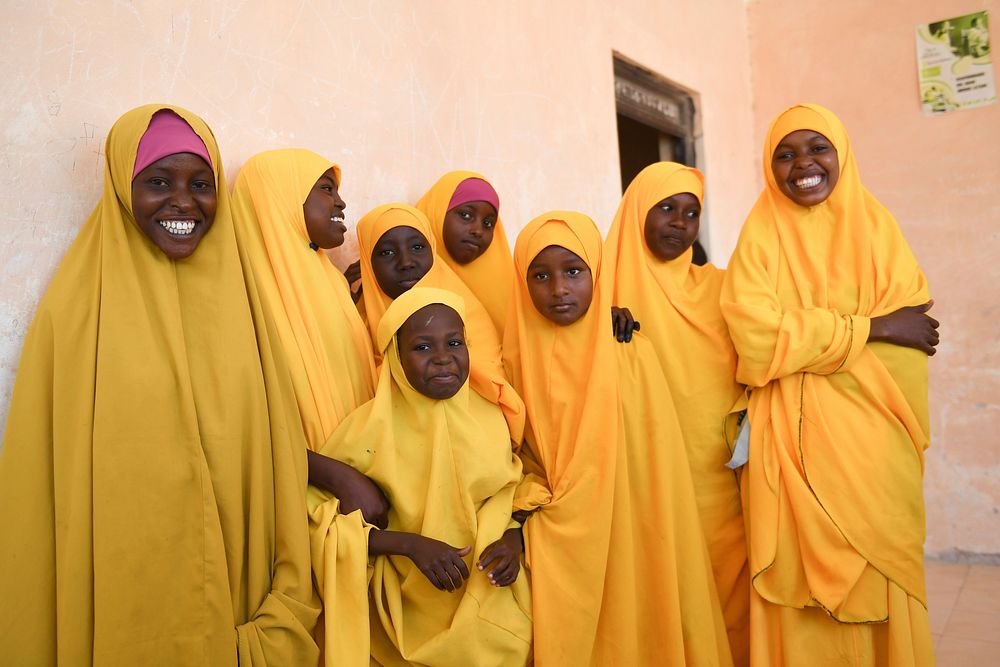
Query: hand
{"type": "Point", "coordinates": [353, 275]}
{"type": "Point", "coordinates": [353, 490]}
{"type": "Point", "coordinates": [506, 553]}
{"type": "Point", "coordinates": [441, 563]}
{"type": "Point", "coordinates": [521, 515]}
{"type": "Point", "coordinates": [623, 324]}
{"type": "Point", "coordinates": [909, 326]}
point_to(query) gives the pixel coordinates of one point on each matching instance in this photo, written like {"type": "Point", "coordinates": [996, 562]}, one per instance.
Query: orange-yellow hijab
{"type": "Point", "coordinates": [575, 429]}
{"type": "Point", "coordinates": [153, 478]}
{"type": "Point", "coordinates": [486, 376]}
{"type": "Point", "coordinates": [677, 303]}
{"type": "Point", "coordinates": [489, 275]}
{"type": "Point", "coordinates": [302, 294]}
{"type": "Point", "coordinates": [838, 425]}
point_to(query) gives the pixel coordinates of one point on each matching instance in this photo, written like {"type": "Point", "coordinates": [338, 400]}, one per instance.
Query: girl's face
{"type": "Point", "coordinates": [560, 284]}
{"type": "Point", "coordinates": [672, 226]}
{"type": "Point", "coordinates": [174, 202]}
{"type": "Point", "coordinates": [806, 167]}
{"type": "Point", "coordinates": [468, 230]}
{"type": "Point", "coordinates": [432, 351]}
{"type": "Point", "coordinates": [324, 212]}
{"type": "Point", "coordinates": [400, 258]}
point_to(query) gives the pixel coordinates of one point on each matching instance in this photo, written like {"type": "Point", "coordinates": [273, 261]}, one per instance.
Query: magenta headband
{"type": "Point", "coordinates": [474, 189]}
{"type": "Point", "coordinates": [168, 134]}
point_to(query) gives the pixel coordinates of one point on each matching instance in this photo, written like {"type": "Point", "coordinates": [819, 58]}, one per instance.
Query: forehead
{"type": "Point", "coordinates": [401, 234]}
{"type": "Point", "coordinates": [327, 176]}
{"type": "Point", "coordinates": [178, 162]}
{"type": "Point", "coordinates": [435, 318]}
{"type": "Point", "coordinates": [555, 254]}
{"type": "Point", "coordinates": [680, 199]}
{"type": "Point", "coordinates": [480, 207]}
{"type": "Point", "coordinates": [801, 137]}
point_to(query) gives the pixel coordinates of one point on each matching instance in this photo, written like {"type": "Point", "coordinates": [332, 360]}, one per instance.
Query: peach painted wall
{"type": "Point", "coordinates": [396, 91]}
{"type": "Point", "coordinates": [940, 176]}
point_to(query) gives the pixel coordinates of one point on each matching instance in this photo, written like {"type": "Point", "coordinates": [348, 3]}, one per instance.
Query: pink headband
{"type": "Point", "coordinates": [474, 189]}
{"type": "Point", "coordinates": [167, 134]}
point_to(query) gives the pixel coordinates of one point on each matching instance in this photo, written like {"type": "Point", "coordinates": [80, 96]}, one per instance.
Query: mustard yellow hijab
{"type": "Point", "coordinates": [448, 471]}
{"type": "Point", "coordinates": [302, 294]}
{"type": "Point", "coordinates": [677, 303]}
{"type": "Point", "coordinates": [151, 511]}
{"type": "Point", "coordinates": [838, 425]}
{"type": "Point", "coordinates": [489, 275]}
{"type": "Point", "coordinates": [619, 569]}
{"type": "Point", "coordinates": [487, 375]}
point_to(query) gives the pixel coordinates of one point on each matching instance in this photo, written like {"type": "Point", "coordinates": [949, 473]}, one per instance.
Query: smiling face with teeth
{"type": "Point", "coordinates": [324, 212]}
{"type": "Point", "coordinates": [174, 202]}
{"type": "Point", "coordinates": [806, 167]}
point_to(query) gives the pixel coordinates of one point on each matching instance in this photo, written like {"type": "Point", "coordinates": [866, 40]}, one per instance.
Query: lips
{"type": "Point", "coordinates": [562, 307]}
{"type": "Point", "coordinates": [408, 282]}
{"type": "Point", "coordinates": [178, 227]}
{"type": "Point", "coordinates": [808, 182]}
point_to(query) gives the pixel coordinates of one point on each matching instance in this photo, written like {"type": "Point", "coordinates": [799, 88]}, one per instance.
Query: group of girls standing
{"type": "Point", "coordinates": [586, 451]}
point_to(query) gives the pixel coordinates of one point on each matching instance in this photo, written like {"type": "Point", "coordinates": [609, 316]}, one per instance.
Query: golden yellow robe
{"type": "Point", "coordinates": [301, 293]}
{"type": "Point", "coordinates": [489, 275]}
{"type": "Point", "coordinates": [449, 473]}
{"type": "Point", "coordinates": [152, 493]}
{"type": "Point", "coordinates": [486, 376]}
{"type": "Point", "coordinates": [838, 426]}
{"type": "Point", "coordinates": [619, 568]}
{"type": "Point", "coordinates": [677, 303]}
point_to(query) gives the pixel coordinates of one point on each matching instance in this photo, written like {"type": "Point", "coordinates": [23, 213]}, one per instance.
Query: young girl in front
{"type": "Point", "coordinates": [827, 309]}
{"type": "Point", "coordinates": [443, 581]}
{"type": "Point", "coordinates": [464, 212]}
{"type": "Point", "coordinates": [678, 304]}
{"type": "Point", "coordinates": [619, 567]}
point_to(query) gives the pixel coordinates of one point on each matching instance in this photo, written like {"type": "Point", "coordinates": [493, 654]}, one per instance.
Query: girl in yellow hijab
{"type": "Point", "coordinates": [443, 586]}
{"type": "Point", "coordinates": [287, 208]}
{"type": "Point", "coordinates": [464, 212]}
{"type": "Point", "coordinates": [619, 568]}
{"type": "Point", "coordinates": [399, 251]}
{"type": "Point", "coordinates": [826, 306]}
{"type": "Point", "coordinates": [677, 302]}
{"type": "Point", "coordinates": [151, 491]}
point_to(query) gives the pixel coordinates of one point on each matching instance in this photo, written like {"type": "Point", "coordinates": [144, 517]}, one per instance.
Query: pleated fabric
{"type": "Point", "coordinates": [301, 293]}
{"type": "Point", "coordinates": [486, 376]}
{"type": "Point", "coordinates": [677, 303]}
{"type": "Point", "coordinates": [489, 275]}
{"type": "Point", "coordinates": [449, 473]}
{"type": "Point", "coordinates": [151, 490]}
{"type": "Point", "coordinates": [838, 425]}
{"type": "Point", "coordinates": [619, 567]}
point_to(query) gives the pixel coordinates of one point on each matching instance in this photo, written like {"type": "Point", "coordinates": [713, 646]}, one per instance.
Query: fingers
{"type": "Point", "coordinates": [922, 308]}
{"type": "Point", "coordinates": [505, 573]}
{"type": "Point", "coordinates": [490, 554]}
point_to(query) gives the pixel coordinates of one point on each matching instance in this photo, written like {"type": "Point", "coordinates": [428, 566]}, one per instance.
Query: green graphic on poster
{"type": "Point", "coordinates": [954, 64]}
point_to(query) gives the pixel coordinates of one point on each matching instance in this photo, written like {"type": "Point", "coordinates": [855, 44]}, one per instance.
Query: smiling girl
{"type": "Point", "coordinates": [151, 487]}
{"type": "Point", "coordinates": [827, 309]}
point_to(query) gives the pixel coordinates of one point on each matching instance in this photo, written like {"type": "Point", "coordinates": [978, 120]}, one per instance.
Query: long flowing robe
{"type": "Point", "coordinates": [838, 425]}
{"type": "Point", "coordinates": [489, 275]}
{"type": "Point", "coordinates": [677, 303]}
{"type": "Point", "coordinates": [619, 568]}
{"type": "Point", "coordinates": [449, 473]}
{"type": "Point", "coordinates": [152, 493]}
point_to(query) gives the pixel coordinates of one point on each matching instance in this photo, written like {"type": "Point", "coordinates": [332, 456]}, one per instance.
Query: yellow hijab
{"type": "Point", "coordinates": [677, 303]}
{"type": "Point", "coordinates": [302, 294]}
{"type": "Point", "coordinates": [489, 275]}
{"type": "Point", "coordinates": [486, 376]}
{"type": "Point", "coordinates": [149, 505]}
{"type": "Point", "coordinates": [448, 471]}
{"type": "Point", "coordinates": [838, 425]}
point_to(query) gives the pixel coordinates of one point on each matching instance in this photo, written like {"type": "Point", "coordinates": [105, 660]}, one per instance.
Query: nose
{"type": "Point", "coordinates": [405, 260]}
{"type": "Point", "coordinates": [559, 287]}
{"type": "Point", "coordinates": [802, 161]}
{"type": "Point", "coordinates": [476, 229]}
{"type": "Point", "coordinates": [678, 220]}
{"type": "Point", "coordinates": [340, 204]}
{"type": "Point", "coordinates": [181, 199]}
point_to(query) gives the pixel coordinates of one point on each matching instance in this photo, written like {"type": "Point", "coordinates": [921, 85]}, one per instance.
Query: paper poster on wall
{"type": "Point", "coordinates": [954, 64]}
